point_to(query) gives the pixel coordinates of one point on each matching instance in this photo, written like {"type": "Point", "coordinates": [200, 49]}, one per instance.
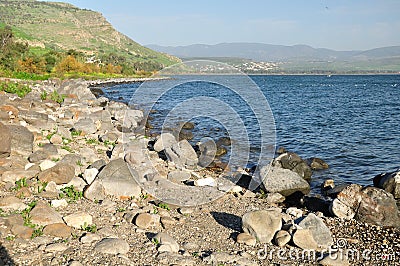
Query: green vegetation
{"type": "Point", "coordinates": [92, 141]}
{"type": "Point", "coordinates": [71, 194]}
{"type": "Point", "coordinates": [43, 95]}
{"type": "Point", "coordinates": [89, 228]}
{"type": "Point", "coordinates": [155, 241]}
{"type": "Point", "coordinates": [41, 186]}
{"type": "Point", "coordinates": [67, 148]}
{"type": "Point", "coordinates": [16, 88]}
{"type": "Point", "coordinates": [121, 209]}
{"type": "Point", "coordinates": [163, 206]}
{"type": "Point", "coordinates": [38, 230]}
{"type": "Point", "coordinates": [55, 96]}
{"type": "Point", "coordinates": [39, 40]}
{"type": "Point", "coordinates": [109, 143]}
{"type": "Point", "coordinates": [10, 238]}
{"type": "Point", "coordinates": [20, 184]}
{"type": "Point", "coordinates": [76, 133]}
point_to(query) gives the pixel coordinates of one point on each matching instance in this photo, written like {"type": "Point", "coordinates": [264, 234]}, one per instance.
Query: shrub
{"type": "Point", "coordinates": [12, 87]}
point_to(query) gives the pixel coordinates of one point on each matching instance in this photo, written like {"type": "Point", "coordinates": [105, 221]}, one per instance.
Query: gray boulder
{"type": "Point", "coordinates": [378, 207]}
{"type": "Point", "coordinates": [295, 163]}
{"type": "Point", "coordinates": [283, 181]}
{"type": "Point", "coordinates": [182, 154]}
{"type": "Point", "coordinates": [318, 164]}
{"type": "Point", "coordinates": [263, 225]}
{"type": "Point", "coordinates": [208, 151]}
{"type": "Point", "coordinates": [43, 214]}
{"type": "Point", "coordinates": [165, 140]}
{"type": "Point", "coordinates": [112, 246]}
{"type": "Point", "coordinates": [77, 87]}
{"type": "Point", "coordinates": [118, 181]}
{"type": "Point", "coordinates": [166, 243]}
{"type": "Point", "coordinates": [390, 182]}
{"type": "Point", "coordinates": [86, 125]}
{"type": "Point", "coordinates": [319, 231]}
{"type": "Point", "coordinates": [35, 118]}
{"type": "Point", "coordinates": [21, 140]}
{"type": "Point", "coordinates": [5, 141]}
{"type": "Point", "coordinates": [62, 173]}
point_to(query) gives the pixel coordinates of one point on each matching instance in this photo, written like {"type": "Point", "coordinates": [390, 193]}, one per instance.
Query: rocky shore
{"type": "Point", "coordinates": [82, 184]}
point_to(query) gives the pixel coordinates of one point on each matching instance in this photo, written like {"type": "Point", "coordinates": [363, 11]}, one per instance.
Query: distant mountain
{"type": "Point", "coordinates": [62, 26]}
{"type": "Point", "coordinates": [269, 52]}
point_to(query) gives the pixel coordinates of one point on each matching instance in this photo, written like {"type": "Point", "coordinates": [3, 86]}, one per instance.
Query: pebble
{"type": "Point", "coordinates": [89, 238]}
{"type": "Point", "coordinates": [78, 219]}
{"type": "Point", "coordinates": [262, 224]}
{"type": "Point", "coordinates": [209, 181]}
{"type": "Point", "coordinates": [90, 174]}
{"type": "Point", "coordinates": [143, 220]}
{"type": "Point", "coordinates": [59, 203]}
{"type": "Point", "coordinates": [11, 203]}
{"type": "Point", "coordinates": [247, 239]}
{"type": "Point", "coordinates": [185, 211]}
{"type": "Point", "coordinates": [22, 231]}
{"type": "Point", "coordinates": [58, 230]}
{"type": "Point", "coordinates": [56, 139]}
{"type": "Point", "coordinates": [112, 246]}
{"type": "Point", "coordinates": [295, 212]}
{"type": "Point", "coordinates": [56, 247]}
{"type": "Point", "coordinates": [167, 243]}
{"type": "Point", "coordinates": [46, 164]}
{"type": "Point", "coordinates": [282, 238]}
{"type": "Point", "coordinates": [43, 214]}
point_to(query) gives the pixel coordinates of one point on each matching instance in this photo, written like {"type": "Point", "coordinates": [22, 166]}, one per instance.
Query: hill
{"type": "Point", "coordinates": [61, 26]}
{"type": "Point", "coordinates": [296, 58]}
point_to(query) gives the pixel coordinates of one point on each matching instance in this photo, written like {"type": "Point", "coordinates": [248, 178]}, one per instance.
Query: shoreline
{"type": "Point", "coordinates": [107, 217]}
{"type": "Point", "coordinates": [116, 81]}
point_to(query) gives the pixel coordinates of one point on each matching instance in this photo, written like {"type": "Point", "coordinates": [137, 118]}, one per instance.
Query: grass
{"type": "Point", "coordinates": [67, 148]}
{"type": "Point", "coordinates": [30, 76]}
{"type": "Point", "coordinates": [41, 186]}
{"type": "Point", "coordinates": [89, 228]}
{"type": "Point", "coordinates": [50, 135]}
{"type": "Point", "coordinates": [92, 141]}
{"type": "Point", "coordinates": [10, 238]}
{"type": "Point", "coordinates": [38, 230]}
{"type": "Point", "coordinates": [71, 194]}
{"type": "Point", "coordinates": [59, 98]}
{"type": "Point", "coordinates": [121, 209]}
{"type": "Point", "coordinates": [109, 143]}
{"type": "Point", "coordinates": [16, 88]}
{"type": "Point", "coordinates": [163, 206]}
{"type": "Point", "coordinates": [155, 241]}
{"type": "Point", "coordinates": [20, 184]}
{"type": "Point", "coordinates": [43, 95]}
{"type": "Point", "coordinates": [76, 133]}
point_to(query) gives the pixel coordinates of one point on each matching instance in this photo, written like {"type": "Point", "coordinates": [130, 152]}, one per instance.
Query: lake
{"type": "Point", "coordinates": [350, 121]}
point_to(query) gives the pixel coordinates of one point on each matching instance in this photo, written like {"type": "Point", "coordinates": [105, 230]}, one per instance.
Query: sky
{"type": "Point", "coordinates": [334, 24]}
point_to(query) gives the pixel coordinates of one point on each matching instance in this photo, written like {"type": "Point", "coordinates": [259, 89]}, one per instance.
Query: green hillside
{"type": "Point", "coordinates": [61, 27]}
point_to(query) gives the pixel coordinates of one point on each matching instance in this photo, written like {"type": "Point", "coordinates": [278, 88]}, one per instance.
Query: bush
{"type": "Point", "coordinates": [12, 87]}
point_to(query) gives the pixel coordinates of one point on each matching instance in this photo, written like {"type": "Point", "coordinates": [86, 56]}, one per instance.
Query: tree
{"type": "Point", "coordinates": [10, 51]}
{"type": "Point", "coordinates": [69, 64]}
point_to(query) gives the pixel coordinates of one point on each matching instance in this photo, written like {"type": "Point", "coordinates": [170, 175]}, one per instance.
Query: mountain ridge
{"type": "Point", "coordinates": [62, 26]}
{"type": "Point", "coordinates": [273, 52]}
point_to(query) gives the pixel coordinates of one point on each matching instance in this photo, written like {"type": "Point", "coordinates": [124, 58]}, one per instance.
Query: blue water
{"type": "Point", "coordinates": [352, 122]}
